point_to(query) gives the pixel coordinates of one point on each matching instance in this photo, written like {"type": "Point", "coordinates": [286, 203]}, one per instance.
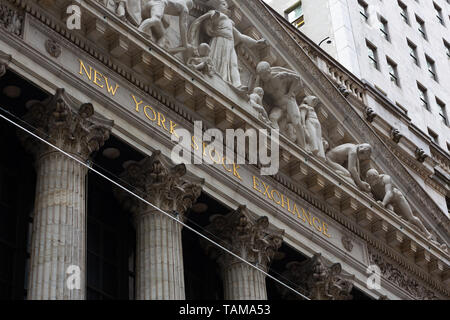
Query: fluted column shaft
{"type": "Point", "coordinates": [59, 235]}
{"type": "Point", "coordinates": [243, 282]}
{"type": "Point", "coordinates": [159, 273]}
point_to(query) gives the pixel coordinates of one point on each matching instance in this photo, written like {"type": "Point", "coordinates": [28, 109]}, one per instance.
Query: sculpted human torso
{"type": "Point", "coordinates": [378, 189]}
{"type": "Point", "coordinates": [351, 155]}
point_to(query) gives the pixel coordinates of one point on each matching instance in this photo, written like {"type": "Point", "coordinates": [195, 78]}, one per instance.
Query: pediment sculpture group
{"type": "Point", "coordinates": [208, 45]}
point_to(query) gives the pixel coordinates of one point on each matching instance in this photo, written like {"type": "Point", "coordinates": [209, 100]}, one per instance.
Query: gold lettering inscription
{"type": "Point", "coordinates": [98, 77]}
{"type": "Point", "coordinates": [103, 82]}
{"type": "Point", "coordinates": [83, 67]}
{"type": "Point", "coordinates": [224, 161]}
{"type": "Point", "coordinates": [100, 80]}
{"type": "Point", "coordinates": [235, 171]}
{"type": "Point", "coordinates": [146, 114]}
{"type": "Point", "coordinates": [137, 103]}
{"type": "Point", "coordinates": [256, 184]}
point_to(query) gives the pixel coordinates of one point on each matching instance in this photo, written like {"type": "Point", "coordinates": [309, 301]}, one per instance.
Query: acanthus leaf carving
{"type": "Point", "coordinates": [400, 278]}
{"type": "Point", "coordinates": [161, 183]}
{"type": "Point", "coordinates": [11, 19]}
{"type": "Point", "coordinates": [318, 280]}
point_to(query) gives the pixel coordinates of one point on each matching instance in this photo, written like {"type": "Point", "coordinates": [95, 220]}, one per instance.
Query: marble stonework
{"type": "Point", "coordinates": [172, 79]}
{"type": "Point", "coordinates": [59, 226]}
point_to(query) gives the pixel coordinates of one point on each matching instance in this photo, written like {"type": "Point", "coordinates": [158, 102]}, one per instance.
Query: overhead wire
{"type": "Point", "coordinates": [89, 165]}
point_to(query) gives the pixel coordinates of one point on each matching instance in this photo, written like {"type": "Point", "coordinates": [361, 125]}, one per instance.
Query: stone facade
{"type": "Point", "coordinates": [231, 66]}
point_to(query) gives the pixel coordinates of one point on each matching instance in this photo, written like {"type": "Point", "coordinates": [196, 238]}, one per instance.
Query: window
{"type": "Point", "coordinates": [403, 11]}
{"type": "Point", "coordinates": [447, 48]}
{"type": "Point", "coordinates": [372, 54]}
{"type": "Point", "coordinates": [431, 68]}
{"type": "Point", "coordinates": [442, 112]}
{"type": "Point", "coordinates": [384, 28]}
{"type": "Point", "coordinates": [439, 14]}
{"type": "Point", "coordinates": [434, 136]}
{"type": "Point", "coordinates": [16, 205]}
{"type": "Point", "coordinates": [363, 10]}
{"type": "Point", "coordinates": [423, 96]}
{"type": "Point", "coordinates": [421, 27]}
{"type": "Point", "coordinates": [110, 245]}
{"type": "Point", "coordinates": [295, 15]}
{"type": "Point", "coordinates": [392, 67]}
{"type": "Point", "coordinates": [413, 52]}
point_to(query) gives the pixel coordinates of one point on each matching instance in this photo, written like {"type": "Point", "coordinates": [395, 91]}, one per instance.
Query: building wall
{"type": "Point", "coordinates": [340, 216]}
{"type": "Point", "coordinates": [397, 50]}
{"type": "Point", "coordinates": [343, 22]}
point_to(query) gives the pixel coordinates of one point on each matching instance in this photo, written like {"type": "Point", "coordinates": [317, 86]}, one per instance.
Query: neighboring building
{"type": "Point", "coordinates": [110, 96]}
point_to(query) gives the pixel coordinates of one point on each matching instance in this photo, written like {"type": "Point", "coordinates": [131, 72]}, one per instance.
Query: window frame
{"type": "Point", "coordinates": [384, 28]}
{"type": "Point", "coordinates": [423, 91]}
{"type": "Point", "coordinates": [442, 111]}
{"type": "Point", "coordinates": [364, 13]}
{"type": "Point", "coordinates": [393, 71]}
{"type": "Point", "coordinates": [421, 27]}
{"type": "Point", "coordinates": [404, 12]}
{"type": "Point", "coordinates": [431, 67]}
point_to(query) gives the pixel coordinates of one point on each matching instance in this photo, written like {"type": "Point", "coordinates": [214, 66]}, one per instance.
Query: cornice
{"type": "Point", "coordinates": [179, 110]}
{"type": "Point", "coordinates": [353, 119]}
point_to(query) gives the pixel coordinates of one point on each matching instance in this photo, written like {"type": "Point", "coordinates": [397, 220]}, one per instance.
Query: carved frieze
{"type": "Point", "coordinates": [347, 242]}
{"type": "Point", "coordinates": [11, 19]}
{"type": "Point", "coordinates": [400, 278]}
{"type": "Point", "coordinates": [161, 183]}
{"type": "Point", "coordinates": [53, 48]}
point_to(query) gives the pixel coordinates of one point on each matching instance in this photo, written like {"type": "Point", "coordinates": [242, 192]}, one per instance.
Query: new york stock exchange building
{"type": "Point", "coordinates": [90, 190]}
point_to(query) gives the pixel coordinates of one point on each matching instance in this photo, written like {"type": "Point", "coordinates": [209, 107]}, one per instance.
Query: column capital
{"type": "Point", "coordinates": [247, 235]}
{"type": "Point", "coordinates": [319, 280]}
{"type": "Point", "coordinates": [156, 179]}
{"type": "Point", "coordinates": [5, 59]}
{"type": "Point", "coordinates": [66, 124]}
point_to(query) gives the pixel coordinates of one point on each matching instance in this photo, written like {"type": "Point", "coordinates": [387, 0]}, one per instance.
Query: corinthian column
{"type": "Point", "coordinates": [159, 252]}
{"type": "Point", "coordinates": [251, 238]}
{"type": "Point", "coordinates": [58, 246]}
